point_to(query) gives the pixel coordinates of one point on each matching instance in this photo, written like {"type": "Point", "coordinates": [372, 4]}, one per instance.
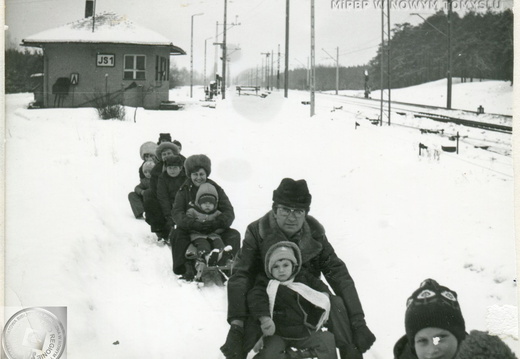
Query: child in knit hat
{"type": "Point", "coordinates": [291, 305]}
{"type": "Point", "coordinates": [206, 246]}
{"type": "Point", "coordinates": [136, 197]}
{"type": "Point", "coordinates": [435, 328]}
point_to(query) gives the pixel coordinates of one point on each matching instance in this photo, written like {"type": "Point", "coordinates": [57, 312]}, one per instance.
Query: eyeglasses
{"type": "Point", "coordinates": [286, 211]}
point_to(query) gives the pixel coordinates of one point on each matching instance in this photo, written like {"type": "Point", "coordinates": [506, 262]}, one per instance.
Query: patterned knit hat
{"type": "Point", "coordinates": [293, 194]}
{"type": "Point", "coordinates": [433, 305]}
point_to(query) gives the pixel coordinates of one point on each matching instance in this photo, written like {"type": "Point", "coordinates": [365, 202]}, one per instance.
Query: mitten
{"type": "Point", "coordinates": [208, 227]}
{"type": "Point", "coordinates": [363, 338]}
{"type": "Point", "coordinates": [267, 325]}
{"type": "Point", "coordinates": [196, 226]}
{"type": "Point", "coordinates": [232, 348]}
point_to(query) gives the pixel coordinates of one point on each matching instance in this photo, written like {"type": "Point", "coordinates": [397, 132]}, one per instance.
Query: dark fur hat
{"type": "Point", "coordinates": [173, 161]}
{"type": "Point", "coordinates": [164, 137]}
{"type": "Point", "coordinates": [194, 162]}
{"type": "Point", "coordinates": [166, 145]}
{"type": "Point", "coordinates": [293, 194]}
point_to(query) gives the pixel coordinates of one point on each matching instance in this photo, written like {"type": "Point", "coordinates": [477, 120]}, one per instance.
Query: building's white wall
{"type": "Point", "coordinates": [61, 60]}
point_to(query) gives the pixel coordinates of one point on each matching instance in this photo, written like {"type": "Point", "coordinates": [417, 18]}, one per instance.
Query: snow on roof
{"type": "Point", "coordinates": [108, 28]}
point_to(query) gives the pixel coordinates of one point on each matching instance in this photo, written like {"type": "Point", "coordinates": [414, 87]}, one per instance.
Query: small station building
{"type": "Point", "coordinates": [103, 58]}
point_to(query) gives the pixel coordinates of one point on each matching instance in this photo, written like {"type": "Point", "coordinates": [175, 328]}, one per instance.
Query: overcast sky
{"type": "Point", "coordinates": [357, 33]}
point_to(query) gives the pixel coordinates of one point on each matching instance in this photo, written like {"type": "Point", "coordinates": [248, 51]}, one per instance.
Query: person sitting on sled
{"type": "Point", "coordinates": [289, 220]}
{"type": "Point", "coordinates": [198, 169]}
{"type": "Point", "coordinates": [136, 197]}
{"type": "Point", "coordinates": [292, 305]}
{"type": "Point", "coordinates": [207, 247]}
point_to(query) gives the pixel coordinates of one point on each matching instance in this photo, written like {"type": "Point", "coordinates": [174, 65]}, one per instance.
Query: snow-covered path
{"type": "Point", "coordinates": [394, 217]}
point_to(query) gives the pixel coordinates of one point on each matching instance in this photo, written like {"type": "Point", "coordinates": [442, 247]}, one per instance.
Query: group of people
{"type": "Point", "coordinates": [278, 305]}
{"type": "Point", "coordinates": [184, 208]}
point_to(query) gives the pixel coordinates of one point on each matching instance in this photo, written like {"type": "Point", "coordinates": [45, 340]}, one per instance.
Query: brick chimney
{"type": "Point", "coordinates": [89, 8]}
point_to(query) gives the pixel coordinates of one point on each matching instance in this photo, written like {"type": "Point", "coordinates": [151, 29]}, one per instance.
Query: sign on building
{"type": "Point", "coordinates": [74, 78]}
{"type": "Point", "coordinates": [106, 60]}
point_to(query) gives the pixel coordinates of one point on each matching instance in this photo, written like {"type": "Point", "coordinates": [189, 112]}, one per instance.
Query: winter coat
{"type": "Point", "coordinates": [294, 316]}
{"type": "Point", "coordinates": [143, 185]}
{"type": "Point", "coordinates": [476, 345]}
{"type": "Point", "coordinates": [318, 257]}
{"type": "Point", "coordinates": [167, 187]}
{"type": "Point", "coordinates": [185, 199]}
{"type": "Point", "coordinates": [154, 179]}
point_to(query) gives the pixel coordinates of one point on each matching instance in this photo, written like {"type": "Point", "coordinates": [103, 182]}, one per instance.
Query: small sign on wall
{"type": "Point", "coordinates": [106, 60]}
{"type": "Point", "coordinates": [74, 78]}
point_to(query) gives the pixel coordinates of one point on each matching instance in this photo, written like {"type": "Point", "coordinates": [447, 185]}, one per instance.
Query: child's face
{"type": "Point", "coordinates": [173, 171]}
{"type": "Point", "coordinates": [149, 157]}
{"type": "Point", "coordinates": [207, 206]}
{"type": "Point", "coordinates": [148, 173]}
{"type": "Point", "coordinates": [435, 343]}
{"type": "Point", "coordinates": [282, 270]}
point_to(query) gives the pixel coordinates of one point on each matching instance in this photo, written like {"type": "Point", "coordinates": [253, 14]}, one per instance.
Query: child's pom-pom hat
{"type": "Point", "coordinates": [433, 306]}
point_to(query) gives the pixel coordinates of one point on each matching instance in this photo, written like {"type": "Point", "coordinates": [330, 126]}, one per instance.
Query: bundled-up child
{"type": "Point", "coordinates": [292, 305]}
{"type": "Point", "coordinates": [207, 246]}
{"type": "Point", "coordinates": [147, 152]}
{"type": "Point", "coordinates": [168, 184]}
{"type": "Point", "coordinates": [136, 197]}
{"type": "Point", "coordinates": [435, 328]}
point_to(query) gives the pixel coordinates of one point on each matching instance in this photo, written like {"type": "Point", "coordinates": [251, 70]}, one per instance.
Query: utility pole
{"type": "Point", "coordinates": [215, 68]}
{"type": "Point", "coordinates": [337, 66]}
{"type": "Point", "coordinates": [337, 69]}
{"type": "Point", "coordinates": [313, 72]}
{"type": "Point", "coordinates": [286, 77]}
{"type": "Point", "coordinates": [267, 54]}
{"type": "Point", "coordinates": [224, 53]}
{"type": "Point", "coordinates": [278, 71]}
{"type": "Point", "coordinates": [191, 55]}
{"type": "Point", "coordinates": [272, 74]}
{"type": "Point", "coordinates": [448, 99]}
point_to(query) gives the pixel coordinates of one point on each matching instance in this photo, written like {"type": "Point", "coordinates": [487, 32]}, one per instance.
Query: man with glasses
{"type": "Point", "coordinates": [289, 221]}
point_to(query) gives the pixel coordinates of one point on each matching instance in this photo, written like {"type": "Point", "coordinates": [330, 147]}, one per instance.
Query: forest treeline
{"type": "Point", "coordinates": [482, 47]}
{"type": "Point", "coordinates": [481, 43]}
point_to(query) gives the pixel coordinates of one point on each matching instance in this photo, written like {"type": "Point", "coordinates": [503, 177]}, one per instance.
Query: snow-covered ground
{"type": "Point", "coordinates": [493, 95]}
{"type": "Point", "coordinates": [393, 216]}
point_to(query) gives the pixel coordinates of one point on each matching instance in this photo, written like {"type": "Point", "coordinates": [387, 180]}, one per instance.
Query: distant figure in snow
{"type": "Point", "coordinates": [168, 184]}
{"type": "Point", "coordinates": [291, 305]}
{"type": "Point", "coordinates": [435, 328]}
{"type": "Point", "coordinates": [208, 248]}
{"type": "Point", "coordinates": [136, 197]}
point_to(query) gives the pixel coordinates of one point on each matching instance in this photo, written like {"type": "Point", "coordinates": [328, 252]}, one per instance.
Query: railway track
{"type": "Point", "coordinates": [404, 107]}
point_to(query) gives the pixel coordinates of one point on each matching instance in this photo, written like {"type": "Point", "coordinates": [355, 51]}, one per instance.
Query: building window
{"type": "Point", "coordinates": [135, 66]}
{"type": "Point", "coordinates": [161, 68]}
